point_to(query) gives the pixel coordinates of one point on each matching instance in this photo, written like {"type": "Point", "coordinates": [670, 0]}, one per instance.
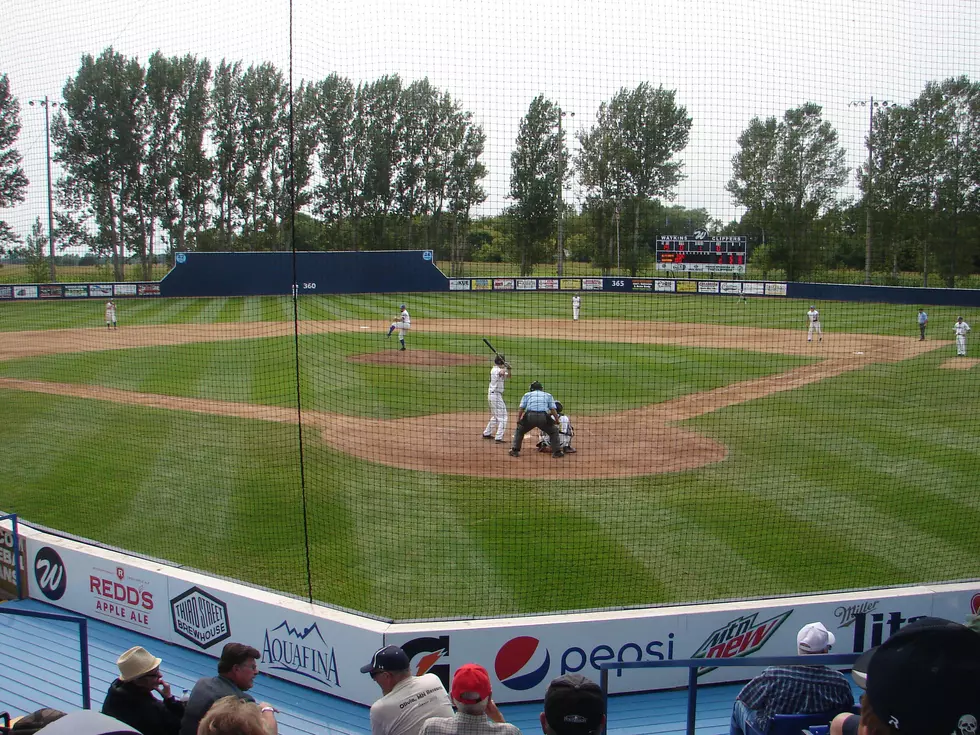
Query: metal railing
{"type": "Point", "coordinates": [693, 664]}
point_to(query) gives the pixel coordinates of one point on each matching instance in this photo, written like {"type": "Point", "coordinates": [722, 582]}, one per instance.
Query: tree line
{"type": "Point", "coordinates": [176, 155]}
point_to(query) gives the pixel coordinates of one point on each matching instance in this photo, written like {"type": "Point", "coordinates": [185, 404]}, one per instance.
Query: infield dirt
{"type": "Point", "coordinates": [643, 441]}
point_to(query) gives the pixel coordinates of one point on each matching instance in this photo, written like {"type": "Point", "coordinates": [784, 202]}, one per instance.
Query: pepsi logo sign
{"type": "Point", "coordinates": [522, 663]}
{"type": "Point", "coordinates": [975, 604]}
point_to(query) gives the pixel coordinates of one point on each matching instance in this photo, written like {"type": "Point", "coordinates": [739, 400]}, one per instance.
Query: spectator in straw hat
{"type": "Point", "coordinates": [794, 690]}
{"type": "Point", "coordinates": [573, 705]}
{"type": "Point", "coordinates": [924, 680]}
{"type": "Point", "coordinates": [476, 713]}
{"type": "Point", "coordinates": [130, 698]}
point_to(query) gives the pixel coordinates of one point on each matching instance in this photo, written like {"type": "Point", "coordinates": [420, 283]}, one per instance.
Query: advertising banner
{"type": "Point", "coordinates": [731, 287]}
{"type": "Point", "coordinates": [548, 284]}
{"type": "Point", "coordinates": [459, 284]}
{"type": "Point", "coordinates": [296, 644]}
{"type": "Point", "coordinates": [592, 284]}
{"type": "Point", "coordinates": [686, 286]}
{"type": "Point", "coordinates": [6, 292]}
{"type": "Point", "coordinates": [148, 289]}
{"type": "Point", "coordinates": [755, 289]}
{"type": "Point", "coordinates": [109, 587]}
{"type": "Point", "coordinates": [642, 284]}
{"type": "Point", "coordinates": [482, 284]}
{"type": "Point", "coordinates": [775, 289]}
{"type": "Point", "coordinates": [25, 292]}
{"type": "Point", "coordinates": [124, 289]}
{"type": "Point", "coordinates": [664, 286]}
{"type": "Point", "coordinates": [8, 575]}
{"type": "Point", "coordinates": [76, 290]}
{"type": "Point", "coordinates": [100, 289]}
{"type": "Point", "coordinates": [527, 284]}
{"type": "Point", "coordinates": [50, 291]}
{"type": "Point", "coordinates": [707, 286]}
{"type": "Point", "coordinates": [503, 284]}
{"type": "Point", "coordinates": [571, 284]}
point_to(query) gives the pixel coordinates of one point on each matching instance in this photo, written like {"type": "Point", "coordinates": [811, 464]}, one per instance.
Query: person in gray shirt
{"type": "Point", "coordinates": [237, 669]}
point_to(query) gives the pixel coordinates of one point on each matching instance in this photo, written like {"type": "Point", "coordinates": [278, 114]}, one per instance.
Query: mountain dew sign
{"type": "Point", "coordinates": [740, 637]}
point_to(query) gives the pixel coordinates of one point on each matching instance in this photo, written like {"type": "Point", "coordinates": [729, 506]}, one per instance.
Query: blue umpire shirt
{"type": "Point", "coordinates": [537, 400]}
{"type": "Point", "coordinates": [923, 317]}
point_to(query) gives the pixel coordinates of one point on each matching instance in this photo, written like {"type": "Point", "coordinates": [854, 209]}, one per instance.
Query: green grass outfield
{"type": "Point", "coordinates": [865, 479]}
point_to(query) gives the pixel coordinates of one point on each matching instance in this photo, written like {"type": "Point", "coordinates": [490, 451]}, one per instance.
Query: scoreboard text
{"type": "Point", "coordinates": [707, 255]}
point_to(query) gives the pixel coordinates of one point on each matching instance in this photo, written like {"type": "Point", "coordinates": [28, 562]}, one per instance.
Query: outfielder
{"type": "Point", "coordinates": [495, 397]}
{"type": "Point", "coordinates": [576, 306]}
{"type": "Point", "coordinates": [110, 315]}
{"type": "Point", "coordinates": [962, 329]}
{"type": "Point", "coordinates": [565, 433]}
{"type": "Point", "coordinates": [403, 322]}
{"type": "Point", "coordinates": [537, 412]}
{"type": "Point", "coordinates": [813, 316]}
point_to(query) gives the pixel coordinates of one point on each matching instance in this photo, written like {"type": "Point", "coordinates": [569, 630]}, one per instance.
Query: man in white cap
{"type": "Point", "coordinates": [476, 713]}
{"type": "Point", "coordinates": [130, 698]}
{"type": "Point", "coordinates": [794, 690]}
{"type": "Point", "coordinates": [407, 701]}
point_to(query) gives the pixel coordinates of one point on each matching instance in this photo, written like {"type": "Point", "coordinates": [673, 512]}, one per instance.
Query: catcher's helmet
{"type": "Point", "coordinates": [499, 360]}
{"type": "Point", "coordinates": [558, 406]}
{"type": "Point", "coordinates": [536, 386]}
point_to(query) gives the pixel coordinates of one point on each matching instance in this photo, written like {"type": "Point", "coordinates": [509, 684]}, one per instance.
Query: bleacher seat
{"type": "Point", "coordinates": [792, 724]}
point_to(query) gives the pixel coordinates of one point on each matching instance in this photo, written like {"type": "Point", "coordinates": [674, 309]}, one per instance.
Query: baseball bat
{"type": "Point", "coordinates": [492, 348]}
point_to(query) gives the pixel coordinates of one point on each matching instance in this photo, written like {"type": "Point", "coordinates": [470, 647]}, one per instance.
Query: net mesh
{"type": "Point", "coordinates": [288, 442]}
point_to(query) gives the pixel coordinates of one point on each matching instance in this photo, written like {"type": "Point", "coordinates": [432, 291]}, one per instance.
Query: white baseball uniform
{"type": "Point", "coordinates": [564, 433]}
{"type": "Point", "coordinates": [403, 323]}
{"type": "Point", "coordinates": [814, 316]}
{"type": "Point", "coordinates": [110, 314]}
{"type": "Point", "coordinates": [961, 329]}
{"type": "Point", "coordinates": [498, 409]}
{"type": "Point", "coordinates": [576, 307]}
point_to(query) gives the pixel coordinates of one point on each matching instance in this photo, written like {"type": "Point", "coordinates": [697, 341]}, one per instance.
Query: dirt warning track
{"type": "Point", "coordinates": [643, 441]}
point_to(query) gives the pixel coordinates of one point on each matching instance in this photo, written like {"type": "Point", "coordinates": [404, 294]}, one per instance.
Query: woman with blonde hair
{"type": "Point", "coordinates": [236, 716]}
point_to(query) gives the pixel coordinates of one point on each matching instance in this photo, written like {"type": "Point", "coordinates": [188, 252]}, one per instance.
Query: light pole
{"type": "Point", "coordinates": [869, 193]}
{"type": "Point", "coordinates": [47, 105]}
{"type": "Point", "coordinates": [561, 186]}
{"type": "Point", "coordinates": [616, 215]}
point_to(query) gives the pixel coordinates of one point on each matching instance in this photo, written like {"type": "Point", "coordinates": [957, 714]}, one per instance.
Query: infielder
{"type": "Point", "coordinates": [813, 316]}
{"type": "Point", "coordinates": [962, 329]}
{"type": "Point", "coordinates": [495, 397]}
{"type": "Point", "coordinates": [403, 322]}
{"type": "Point", "coordinates": [565, 433]}
{"type": "Point", "coordinates": [576, 306]}
{"type": "Point", "coordinates": [110, 315]}
{"type": "Point", "coordinates": [922, 320]}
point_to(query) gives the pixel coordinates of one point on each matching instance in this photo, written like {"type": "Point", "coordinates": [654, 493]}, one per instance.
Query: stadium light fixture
{"type": "Point", "coordinates": [47, 104]}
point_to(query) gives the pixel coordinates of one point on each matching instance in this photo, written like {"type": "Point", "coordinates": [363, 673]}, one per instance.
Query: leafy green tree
{"type": "Point", "coordinates": [535, 163]}
{"type": "Point", "coordinates": [13, 181]}
{"type": "Point", "coordinates": [787, 174]}
{"type": "Point", "coordinates": [226, 135]}
{"type": "Point", "coordinates": [99, 134]}
{"type": "Point", "coordinates": [33, 253]}
{"type": "Point", "coordinates": [336, 199]}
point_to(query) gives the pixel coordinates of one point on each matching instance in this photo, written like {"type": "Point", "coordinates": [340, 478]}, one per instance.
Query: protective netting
{"type": "Point", "coordinates": [289, 442]}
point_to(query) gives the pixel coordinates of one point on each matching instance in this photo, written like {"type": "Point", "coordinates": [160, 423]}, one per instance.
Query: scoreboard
{"type": "Point", "coordinates": [704, 254]}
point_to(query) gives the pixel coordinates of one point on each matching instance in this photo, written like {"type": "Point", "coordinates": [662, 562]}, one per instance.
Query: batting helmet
{"type": "Point", "coordinates": [558, 407]}
{"type": "Point", "coordinates": [536, 386]}
{"type": "Point", "coordinates": [499, 360]}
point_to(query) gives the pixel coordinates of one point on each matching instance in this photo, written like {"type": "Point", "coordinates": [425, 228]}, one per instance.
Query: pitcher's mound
{"type": "Point", "coordinates": [416, 358]}
{"type": "Point", "coordinates": [959, 363]}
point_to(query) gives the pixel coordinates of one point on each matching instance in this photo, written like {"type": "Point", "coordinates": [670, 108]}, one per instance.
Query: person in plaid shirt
{"type": "Point", "coordinates": [794, 690]}
{"type": "Point", "coordinates": [476, 713]}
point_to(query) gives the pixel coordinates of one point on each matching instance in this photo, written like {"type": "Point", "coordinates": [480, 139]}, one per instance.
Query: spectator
{"type": "Point", "coordinates": [476, 713]}
{"type": "Point", "coordinates": [573, 705]}
{"type": "Point", "coordinates": [924, 680]}
{"type": "Point", "coordinates": [793, 690]}
{"type": "Point", "coordinates": [235, 716]}
{"type": "Point", "coordinates": [237, 669]}
{"type": "Point", "coordinates": [407, 701]}
{"type": "Point", "coordinates": [130, 698]}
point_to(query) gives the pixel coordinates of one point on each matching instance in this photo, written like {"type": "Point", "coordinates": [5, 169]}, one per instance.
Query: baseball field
{"type": "Point", "coordinates": [720, 455]}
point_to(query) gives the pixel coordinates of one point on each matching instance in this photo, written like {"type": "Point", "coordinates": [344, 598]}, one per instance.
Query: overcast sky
{"type": "Point", "coordinates": [729, 60]}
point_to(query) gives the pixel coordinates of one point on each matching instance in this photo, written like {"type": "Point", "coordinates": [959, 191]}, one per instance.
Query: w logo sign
{"type": "Point", "coordinates": [49, 572]}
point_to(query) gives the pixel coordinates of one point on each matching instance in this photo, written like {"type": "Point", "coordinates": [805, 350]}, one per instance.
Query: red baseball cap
{"type": "Point", "coordinates": [471, 684]}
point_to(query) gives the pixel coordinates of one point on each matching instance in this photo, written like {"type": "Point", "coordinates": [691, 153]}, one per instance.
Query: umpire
{"type": "Point", "coordinates": [538, 411]}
